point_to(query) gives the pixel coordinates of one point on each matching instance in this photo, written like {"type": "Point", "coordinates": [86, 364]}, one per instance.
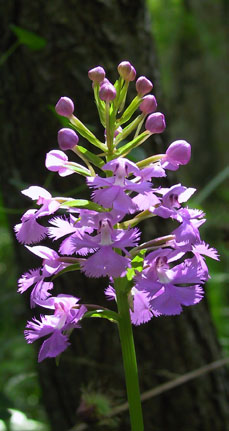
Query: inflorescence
{"type": "Point", "coordinates": [100, 237]}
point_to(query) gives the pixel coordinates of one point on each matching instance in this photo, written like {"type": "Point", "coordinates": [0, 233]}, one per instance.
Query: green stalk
{"type": "Point", "coordinates": [108, 129]}
{"type": "Point", "coordinates": [129, 357]}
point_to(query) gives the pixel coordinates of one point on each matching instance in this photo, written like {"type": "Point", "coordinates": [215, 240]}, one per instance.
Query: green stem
{"type": "Point", "coordinates": [109, 136]}
{"type": "Point", "coordinates": [10, 51]}
{"type": "Point", "coordinates": [129, 357]}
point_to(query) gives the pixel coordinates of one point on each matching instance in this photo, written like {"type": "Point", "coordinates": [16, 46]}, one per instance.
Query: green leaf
{"type": "Point", "coordinates": [128, 129]}
{"type": "Point", "coordinates": [73, 267]}
{"type": "Point", "coordinates": [84, 204]}
{"type": "Point", "coordinates": [105, 314]}
{"type": "Point", "coordinates": [28, 38]}
{"type": "Point", "coordinates": [93, 158]}
{"type": "Point", "coordinates": [127, 114]}
{"type": "Point", "coordinates": [86, 133]}
{"type": "Point", "coordinates": [136, 265]}
{"type": "Point", "coordinates": [79, 170]}
{"type": "Point", "coordinates": [125, 149]}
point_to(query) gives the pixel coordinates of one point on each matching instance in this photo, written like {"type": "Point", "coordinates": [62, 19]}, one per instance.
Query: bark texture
{"type": "Point", "coordinates": [80, 35]}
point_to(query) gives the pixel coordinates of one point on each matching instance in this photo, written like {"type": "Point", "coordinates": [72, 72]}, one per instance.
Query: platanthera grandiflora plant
{"type": "Point", "coordinates": [101, 237]}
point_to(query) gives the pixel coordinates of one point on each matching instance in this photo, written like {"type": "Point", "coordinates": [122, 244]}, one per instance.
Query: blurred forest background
{"type": "Point", "coordinates": [189, 55]}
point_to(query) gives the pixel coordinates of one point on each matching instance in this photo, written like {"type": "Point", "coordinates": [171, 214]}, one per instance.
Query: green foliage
{"type": "Point", "coordinates": [103, 313]}
{"type": "Point", "coordinates": [84, 204]}
{"type": "Point", "coordinates": [28, 38]}
{"type": "Point", "coordinates": [93, 158]}
{"type": "Point", "coordinates": [136, 265]}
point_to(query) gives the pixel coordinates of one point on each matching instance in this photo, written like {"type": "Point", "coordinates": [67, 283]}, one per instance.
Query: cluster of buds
{"type": "Point", "coordinates": [100, 237]}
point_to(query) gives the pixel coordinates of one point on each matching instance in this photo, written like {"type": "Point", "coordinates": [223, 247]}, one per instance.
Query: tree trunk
{"type": "Point", "coordinates": [201, 85]}
{"type": "Point", "coordinates": [81, 35]}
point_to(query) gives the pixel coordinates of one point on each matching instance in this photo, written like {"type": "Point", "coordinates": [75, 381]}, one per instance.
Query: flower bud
{"type": "Point", "coordinates": [155, 123]}
{"type": "Point", "coordinates": [149, 104]}
{"type": "Point", "coordinates": [65, 107]}
{"type": "Point", "coordinates": [179, 152]}
{"type": "Point", "coordinates": [143, 85]}
{"type": "Point", "coordinates": [107, 92]}
{"type": "Point", "coordinates": [126, 71]}
{"type": "Point", "coordinates": [97, 74]}
{"type": "Point", "coordinates": [67, 139]}
{"type": "Point", "coordinates": [132, 74]}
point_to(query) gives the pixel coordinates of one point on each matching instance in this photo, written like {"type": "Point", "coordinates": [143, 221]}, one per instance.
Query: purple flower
{"type": "Point", "coordinates": [36, 277]}
{"type": "Point", "coordinates": [65, 107]}
{"type": "Point", "coordinates": [67, 139]}
{"type": "Point", "coordinates": [132, 75]}
{"type": "Point", "coordinates": [126, 71]}
{"type": "Point", "coordinates": [164, 284]}
{"type": "Point", "coordinates": [203, 249]}
{"type": "Point", "coordinates": [171, 201]}
{"type": "Point", "coordinates": [146, 201]}
{"type": "Point", "coordinates": [154, 170]}
{"type": "Point", "coordinates": [143, 85]}
{"type": "Point", "coordinates": [40, 291]}
{"type": "Point", "coordinates": [155, 123]}
{"type": "Point", "coordinates": [140, 308]}
{"type": "Point", "coordinates": [72, 227]}
{"type": "Point", "coordinates": [148, 104]}
{"type": "Point", "coordinates": [178, 153]}
{"type": "Point", "coordinates": [30, 231]}
{"type": "Point", "coordinates": [187, 234]}
{"type": "Point", "coordinates": [141, 311]}
{"type": "Point", "coordinates": [65, 318]}
{"type": "Point", "coordinates": [97, 74]}
{"type": "Point", "coordinates": [56, 161]}
{"type": "Point", "coordinates": [111, 190]}
{"type": "Point", "coordinates": [105, 261]}
{"type": "Point", "coordinates": [107, 91]}
{"type": "Point", "coordinates": [51, 260]}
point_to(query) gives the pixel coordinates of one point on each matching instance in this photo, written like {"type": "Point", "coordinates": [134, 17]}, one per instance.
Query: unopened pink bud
{"type": "Point", "coordinates": [179, 152]}
{"type": "Point", "coordinates": [65, 107]}
{"type": "Point", "coordinates": [107, 92]}
{"type": "Point", "coordinates": [132, 74]}
{"type": "Point", "coordinates": [143, 85]}
{"type": "Point", "coordinates": [126, 71]}
{"type": "Point", "coordinates": [155, 123]}
{"type": "Point", "coordinates": [149, 104]}
{"type": "Point", "coordinates": [97, 74]}
{"type": "Point", "coordinates": [67, 139]}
